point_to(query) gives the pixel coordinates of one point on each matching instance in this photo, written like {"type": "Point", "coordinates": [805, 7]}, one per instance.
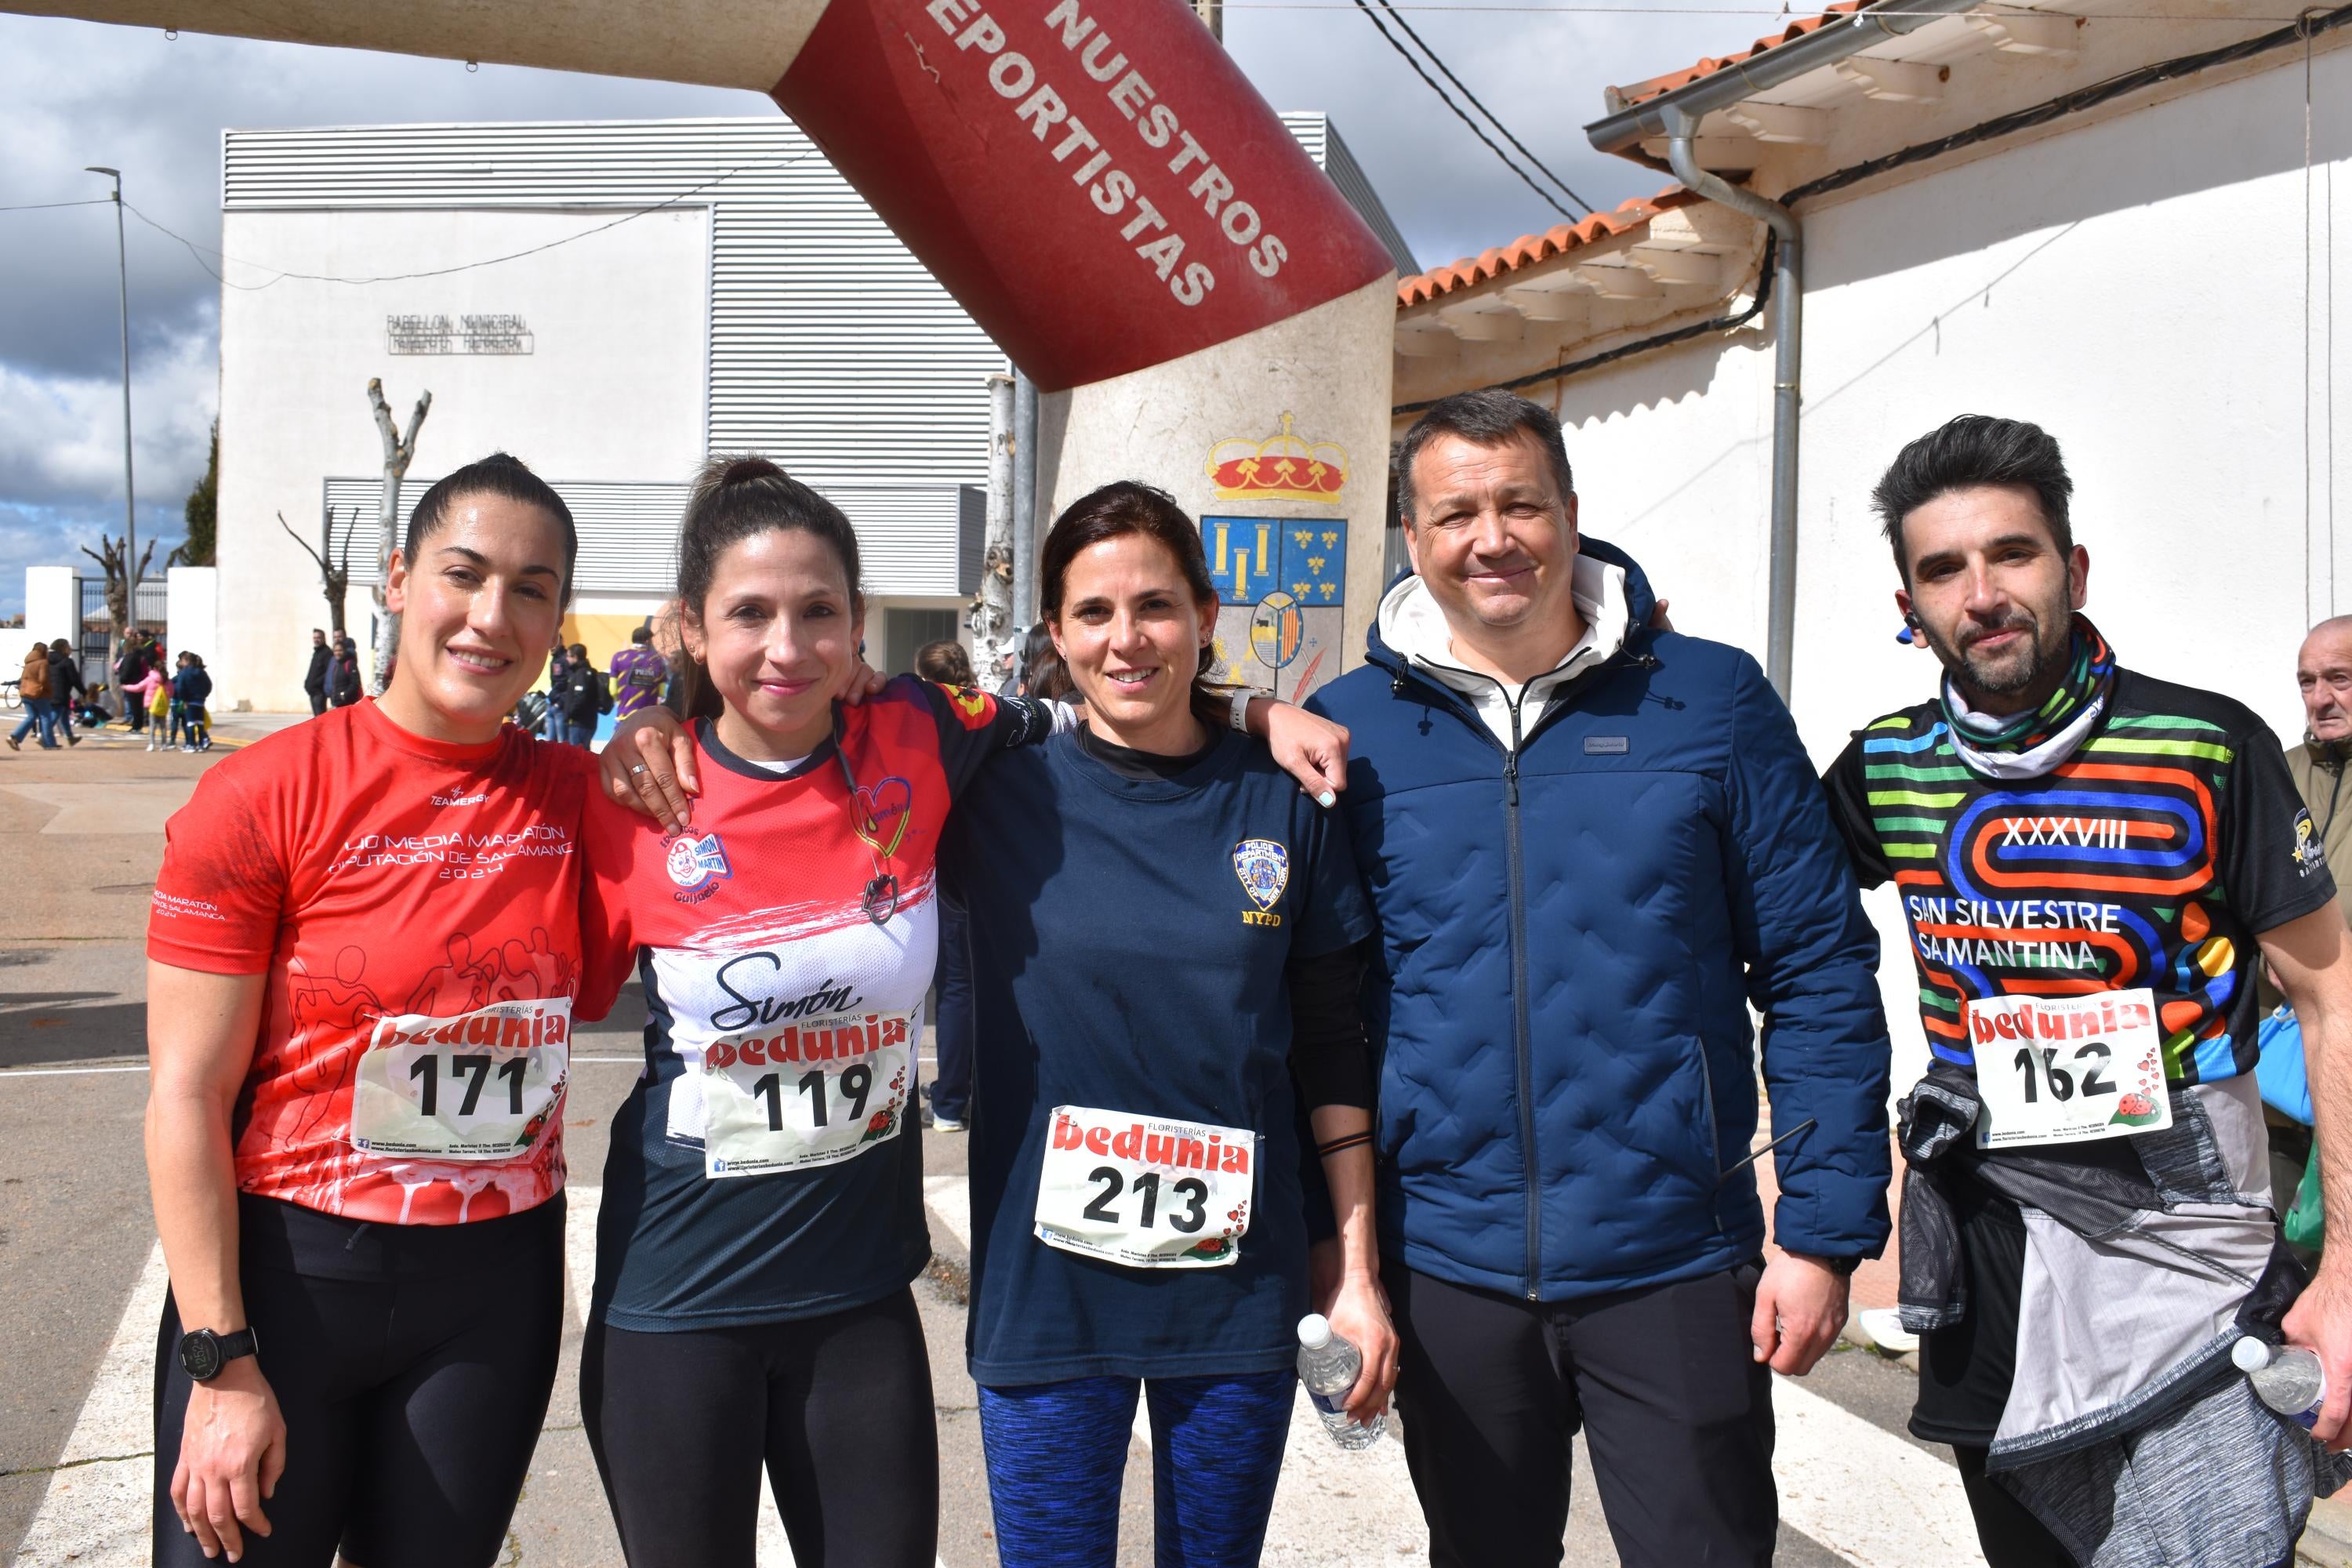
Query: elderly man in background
{"type": "Point", "coordinates": [2323, 670]}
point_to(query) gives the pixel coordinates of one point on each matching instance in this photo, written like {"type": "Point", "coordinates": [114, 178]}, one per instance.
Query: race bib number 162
{"type": "Point", "coordinates": [2067, 1070]}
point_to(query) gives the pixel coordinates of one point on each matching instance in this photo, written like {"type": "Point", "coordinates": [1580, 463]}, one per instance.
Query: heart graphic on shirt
{"type": "Point", "coordinates": [879, 813]}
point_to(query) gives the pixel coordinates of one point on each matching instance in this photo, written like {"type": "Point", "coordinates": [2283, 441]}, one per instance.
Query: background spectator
{"type": "Point", "coordinates": [132, 664]}
{"type": "Point", "coordinates": [149, 696]}
{"type": "Point", "coordinates": [951, 1087]}
{"type": "Point", "coordinates": [579, 696]}
{"type": "Point", "coordinates": [640, 673]}
{"type": "Point", "coordinates": [946, 663]}
{"type": "Point", "coordinates": [193, 687]}
{"type": "Point", "coordinates": [343, 674]}
{"type": "Point", "coordinates": [315, 680]}
{"type": "Point", "coordinates": [65, 688]}
{"type": "Point", "coordinates": [33, 688]}
{"type": "Point", "coordinates": [551, 722]}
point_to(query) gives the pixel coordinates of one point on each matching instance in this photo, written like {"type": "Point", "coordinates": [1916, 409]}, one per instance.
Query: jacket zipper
{"type": "Point", "coordinates": [1522, 1030]}
{"type": "Point", "coordinates": [1519, 1025]}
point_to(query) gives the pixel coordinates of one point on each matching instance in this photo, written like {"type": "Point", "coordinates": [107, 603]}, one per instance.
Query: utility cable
{"type": "Point", "coordinates": [1389, 6]}
{"type": "Point", "coordinates": [1549, 199]}
{"type": "Point", "coordinates": [42, 206]}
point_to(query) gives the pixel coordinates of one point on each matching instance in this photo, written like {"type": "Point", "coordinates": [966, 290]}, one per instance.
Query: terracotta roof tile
{"type": "Point", "coordinates": [1641, 91]}
{"type": "Point", "coordinates": [1530, 249]}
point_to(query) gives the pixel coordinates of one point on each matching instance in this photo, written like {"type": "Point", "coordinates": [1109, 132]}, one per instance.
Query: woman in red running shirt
{"type": "Point", "coordinates": [362, 956]}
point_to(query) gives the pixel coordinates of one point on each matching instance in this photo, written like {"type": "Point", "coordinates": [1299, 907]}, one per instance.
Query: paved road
{"type": "Point", "coordinates": [81, 1280]}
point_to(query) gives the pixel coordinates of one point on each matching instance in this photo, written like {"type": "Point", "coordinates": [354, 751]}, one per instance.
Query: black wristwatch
{"type": "Point", "coordinates": [1842, 1267]}
{"type": "Point", "coordinates": [203, 1353]}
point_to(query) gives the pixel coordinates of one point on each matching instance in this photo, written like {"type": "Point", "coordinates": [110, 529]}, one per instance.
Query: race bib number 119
{"type": "Point", "coordinates": [2067, 1070]}
{"type": "Point", "coordinates": [814, 1093]}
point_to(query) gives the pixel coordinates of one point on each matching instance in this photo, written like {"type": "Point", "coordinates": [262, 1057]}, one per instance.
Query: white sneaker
{"type": "Point", "coordinates": [190, 750]}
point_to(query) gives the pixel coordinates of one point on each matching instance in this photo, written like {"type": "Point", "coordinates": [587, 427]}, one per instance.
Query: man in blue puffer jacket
{"type": "Point", "coordinates": [1592, 847]}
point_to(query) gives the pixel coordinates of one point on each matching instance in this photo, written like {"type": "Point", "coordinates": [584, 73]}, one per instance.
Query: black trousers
{"type": "Point", "coordinates": [1491, 1389]}
{"type": "Point", "coordinates": [837, 1409]}
{"type": "Point", "coordinates": [318, 701]}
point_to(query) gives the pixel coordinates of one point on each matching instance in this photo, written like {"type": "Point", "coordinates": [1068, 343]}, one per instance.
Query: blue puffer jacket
{"type": "Point", "coordinates": [1569, 942]}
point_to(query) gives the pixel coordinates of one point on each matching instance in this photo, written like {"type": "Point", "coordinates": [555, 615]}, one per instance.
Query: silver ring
{"type": "Point", "coordinates": [636, 769]}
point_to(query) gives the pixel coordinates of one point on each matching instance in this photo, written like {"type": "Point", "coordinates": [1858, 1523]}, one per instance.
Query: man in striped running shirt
{"type": "Point", "coordinates": [2090, 861]}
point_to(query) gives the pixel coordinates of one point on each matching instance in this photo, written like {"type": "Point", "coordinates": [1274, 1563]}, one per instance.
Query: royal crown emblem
{"type": "Point", "coordinates": [1283, 467]}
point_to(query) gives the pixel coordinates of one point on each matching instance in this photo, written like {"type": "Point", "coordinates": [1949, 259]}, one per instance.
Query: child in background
{"type": "Point", "coordinates": [190, 688]}
{"type": "Point", "coordinates": [148, 692]}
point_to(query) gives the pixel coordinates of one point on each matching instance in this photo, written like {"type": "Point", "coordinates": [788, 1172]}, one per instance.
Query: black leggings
{"type": "Point", "coordinates": [413, 1386]}
{"type": "Point", "coordinates": [838, 1408]}
{"type": "Point", "coordinates": [2010, 1534]}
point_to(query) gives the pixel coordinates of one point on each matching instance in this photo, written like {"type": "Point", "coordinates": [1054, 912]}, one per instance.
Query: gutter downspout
{"type": "Point", "coordinates": [1677, 116]}
{"type": "Point", "coordinates": [1787, 350]}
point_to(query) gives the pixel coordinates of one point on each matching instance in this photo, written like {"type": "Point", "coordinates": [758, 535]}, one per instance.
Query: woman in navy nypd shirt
{"type": "Point", "coordinates": [1177, 932]}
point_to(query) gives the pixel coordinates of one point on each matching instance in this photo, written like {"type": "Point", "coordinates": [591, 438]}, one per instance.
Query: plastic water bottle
{"type": "Point", "coordinates": [1329, 1366]}
{"type": "Point", "coordinates": [2289, 1380]}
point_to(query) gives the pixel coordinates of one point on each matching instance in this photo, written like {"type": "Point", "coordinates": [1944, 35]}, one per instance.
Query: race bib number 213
{"type": "Point", "coordinates": [2067, 1070]}
{"type": "Point", "coordinates": [1145, 1191]}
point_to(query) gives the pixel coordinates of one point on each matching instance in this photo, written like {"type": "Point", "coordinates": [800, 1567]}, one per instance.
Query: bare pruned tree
{"type": "Point", "coordinates": [334, 577]}
{"type": "Point", "coordinates": [398, 450]}
{"type": "Point", "coordinates": [116, 560]}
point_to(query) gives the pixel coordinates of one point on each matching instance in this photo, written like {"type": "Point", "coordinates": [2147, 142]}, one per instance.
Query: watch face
{"type": "Point", "coordinates": [200, 1355]}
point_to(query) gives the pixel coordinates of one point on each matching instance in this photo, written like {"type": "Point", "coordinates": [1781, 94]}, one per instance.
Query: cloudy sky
{"type": "Point", "coordinates": [75, 93]}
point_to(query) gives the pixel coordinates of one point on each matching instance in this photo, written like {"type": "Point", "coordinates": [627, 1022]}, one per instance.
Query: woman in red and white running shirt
{"type": "Point", "coordinates": [762, 1211]}
{"type": "Point", "coordinates": [362, 956]}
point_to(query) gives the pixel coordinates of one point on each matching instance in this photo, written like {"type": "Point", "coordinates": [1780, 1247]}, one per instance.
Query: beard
{"type": "Point", "coordinates": [2050, 635]}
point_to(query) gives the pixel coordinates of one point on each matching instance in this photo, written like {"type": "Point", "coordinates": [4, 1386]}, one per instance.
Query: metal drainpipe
{"type": "Point", "coordinates": [1788, 346]}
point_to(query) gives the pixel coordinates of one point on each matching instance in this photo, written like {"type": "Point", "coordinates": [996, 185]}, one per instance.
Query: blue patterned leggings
{"type": "Point", "coordinates": [1057, 1452]}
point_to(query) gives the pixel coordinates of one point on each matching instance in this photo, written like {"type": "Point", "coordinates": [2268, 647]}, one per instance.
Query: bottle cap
{"type": "Point", "coordinates": [2248, 1354]}
{"type": "Point", "coordinates": [1314, 1331]}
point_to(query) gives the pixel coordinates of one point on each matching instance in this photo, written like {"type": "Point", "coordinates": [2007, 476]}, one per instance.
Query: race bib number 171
{"type": "Point", "coordinates": [480, 1087]}
{"type": "Point", "coordinates": [2067, 1070]}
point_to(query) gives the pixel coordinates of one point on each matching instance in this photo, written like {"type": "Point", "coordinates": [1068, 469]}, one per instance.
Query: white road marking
{"type": "Point", "coordinates": [949, 1198]}
{"type": "Point", "coordinates": [1865, 1494]}
{"type": "Point", "coordinates": [64, 1072]}
{"type": "Point", "coordinates": [7, 1073]}
{"type": "Point", "coordinates": [97, 1511]}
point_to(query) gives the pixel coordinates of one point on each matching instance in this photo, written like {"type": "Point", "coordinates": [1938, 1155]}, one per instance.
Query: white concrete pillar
{"type": "Point", "coordinates": [191, 618]}
{"type": "Point", "coordinates": [53, 603]}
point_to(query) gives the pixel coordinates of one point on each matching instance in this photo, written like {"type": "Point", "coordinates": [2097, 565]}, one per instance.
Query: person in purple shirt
{"type": "Point", "coordinates": [637, 674]}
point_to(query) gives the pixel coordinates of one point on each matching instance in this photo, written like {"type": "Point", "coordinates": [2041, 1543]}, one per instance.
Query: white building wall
{"type": "Point", "coordinates": [612, 390]}
{"type": "Point", "coordinates": [2145, 304]}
